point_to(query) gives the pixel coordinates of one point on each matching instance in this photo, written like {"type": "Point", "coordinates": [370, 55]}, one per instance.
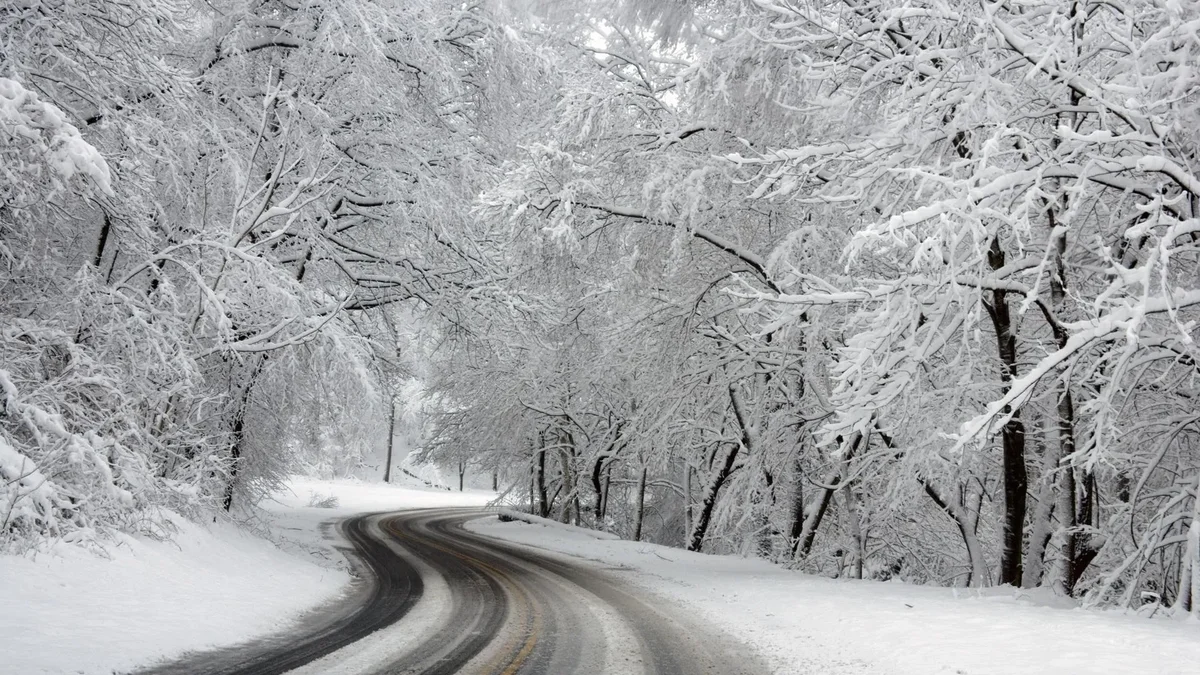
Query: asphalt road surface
{"type": "Point", "coordinates": [434, 598]}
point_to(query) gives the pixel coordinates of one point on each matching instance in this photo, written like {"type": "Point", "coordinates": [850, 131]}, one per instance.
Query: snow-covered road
{"type": "Point", "coordinates": [445, 601]}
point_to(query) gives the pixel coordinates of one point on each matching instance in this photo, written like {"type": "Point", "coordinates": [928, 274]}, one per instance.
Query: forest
{"type": "Point", "coordinates": [869, 288]}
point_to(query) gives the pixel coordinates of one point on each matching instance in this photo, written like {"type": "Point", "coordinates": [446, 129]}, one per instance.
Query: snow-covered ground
{"type": "Point", "coordinates": [804, 624]}
{"type": "Point", "coordinates": [68, 610]}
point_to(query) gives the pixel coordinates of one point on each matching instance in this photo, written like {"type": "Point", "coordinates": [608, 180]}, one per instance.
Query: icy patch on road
{"type": "Point", "coordinates": [69, 610]}
{"type": "Point", "coordinates": [806, 624]}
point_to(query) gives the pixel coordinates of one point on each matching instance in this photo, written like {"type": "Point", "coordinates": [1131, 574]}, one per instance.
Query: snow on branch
{"type": "Point", "coordinates": [48, 137]}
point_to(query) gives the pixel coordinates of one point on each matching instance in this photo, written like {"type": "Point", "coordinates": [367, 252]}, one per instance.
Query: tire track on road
{"type": "Point", "coordinates": [496, 609]}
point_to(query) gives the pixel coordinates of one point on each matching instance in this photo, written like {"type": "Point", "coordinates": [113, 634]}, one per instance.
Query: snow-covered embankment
{"type": "Point", "coordinates": [803, 624]}
{"type": "Point", "coordinates": [70, 610]}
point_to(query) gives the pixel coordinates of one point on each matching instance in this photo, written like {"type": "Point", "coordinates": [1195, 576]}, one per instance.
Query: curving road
{"type": "Point", "coordinates": [438, 599]}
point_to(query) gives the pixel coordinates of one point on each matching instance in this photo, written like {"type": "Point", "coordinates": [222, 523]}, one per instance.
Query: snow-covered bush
{"type": "Point", "coordinates": [83, 367]}
{"type": "Point", "coordinates": [63, 457]}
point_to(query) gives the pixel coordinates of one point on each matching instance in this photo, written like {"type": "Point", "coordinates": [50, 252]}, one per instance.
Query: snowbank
{"type": "Point", "coordinates": [68, 610]}
{"type": "Point", "coordinates": [355, 496]}
{"type": "Point", "coordinates": [806, 624]}
{"type": "Point", "coordinates": [507, 515]}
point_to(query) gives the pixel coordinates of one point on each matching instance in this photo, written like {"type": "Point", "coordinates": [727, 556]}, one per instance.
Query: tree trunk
{"type": "Point", "coordinates": [1193, 544]}
{"type": "Point", "coordinates": [238, 427]}
{"type": "Point", "coordinates": [571, 498]}
{"type": "Point", "coordinates": [796, 526]}
{"type": "Point", "coordinates": [1012, 435]}
{"type": "Point", "coordinates": [979, 575]}
{"type": "Point", "coordinates": [235, 457]}
{"type": "Point", "coordinates": [607, 487]}
{"type": "Point", "coordinates": [812, 521]}
{"type": "Point", "coordinates": [1040, 530]}
{"type": "Point", "coordinates": [1079, 544]}
{"type": "Point", "coordinates": [105, 229]}
{"type": "Point", "coordinates": [539, 475]}
{"type": "Point", "coordinates": [1079, 485]}
{"type": "Point", "coordinates": [566, 458]}
{"type": "Point", "coordinates": [462, 471]}
{"type": "Point", "coordinates": [387, 472]}
{"type": "Point", "coordinates": [1188, 599]}
{"type": "Point", "coordinates": [856, 535]}
{"type": "Point", "coordinates": [687, 498]}
{"type": "Point", "coordinates": [640, 511]}
{"type": "Point", "coordinates": [813, 515]}
{"type": "Point", "coordinates": [709, 501]}
{"type": "Point", "coordinates": [598, 489]}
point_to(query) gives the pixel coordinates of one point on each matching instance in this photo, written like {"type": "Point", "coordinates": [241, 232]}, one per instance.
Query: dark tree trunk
{"type": "Point", "coordinates": [1041, 520]}
{"type": "Point", "coordinates": [766, 533]}
{"type": "Point", "coordinates": [1079, 485]}
{"type": "Point", "coordinates": [1012, 435]}
{"type": "Point", "coordinates": [1081, 550]}
{"type": "Point", "coordinates": [238, 428]}
{"type": "Point", "coordinates": [387, 472]}
{"type": "Point", "coordinates": [804, 544]}
{"type": "Point", "coordinates": [105, 229]}
{"type": "Point", "coordinates": [796, 527]}
{"type": "Point", "coordinates": [813, 515]}
{"type": "Point", "coordinates": [710, 499]}
{"type": "Point", "coordinates": [641, 506]}
{"type": "Point", "coordinates": [607, 487]}
{"type": "Point", "coordinates": [566, 460]}
{"type": "Point", "coordinates": [687, 499]}
{"type": "Point", "coordinates": [235, 457]}
{"type": "Point", "coordinates": [539, 477]}
{"type": "Point", "coordinates": [978, 575]}
{"type": "Point", "coordinates": [598, 488]}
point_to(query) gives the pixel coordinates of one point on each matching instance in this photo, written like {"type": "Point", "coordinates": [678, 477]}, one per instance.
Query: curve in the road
{"type": "Point", "coordinates": [391, 588]}
{"type": "Point", "coordinates": [512, 610]}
